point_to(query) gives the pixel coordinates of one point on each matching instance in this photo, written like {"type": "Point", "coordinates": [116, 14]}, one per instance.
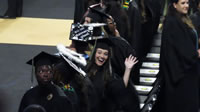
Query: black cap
{"type": "Point", "coordinates": [97, 14]}
{"type": "Point", "coordinates": [43, 58]}
{"type": "Point", "coordinates": [104, 43]}
{"type": "Point", "coordinates": [86, 32]}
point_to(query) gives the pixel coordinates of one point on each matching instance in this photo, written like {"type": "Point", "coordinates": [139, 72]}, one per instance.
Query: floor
{"type": "Point", "coordinates": [45, 23]}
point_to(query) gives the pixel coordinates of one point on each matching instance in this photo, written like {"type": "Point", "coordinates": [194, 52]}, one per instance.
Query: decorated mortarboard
{"type": "Point", "coordinates": [43, 58]}
{"type": "Point", "coordinates": [86, 32]}
{"type": "Point", "coordinates": [75, 60]}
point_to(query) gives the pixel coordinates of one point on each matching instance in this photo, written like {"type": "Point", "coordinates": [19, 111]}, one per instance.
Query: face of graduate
{"type": "Point", "coordinates": [182, 6]}
{"type": "Point", "coordinates": [111, 25]}
{"type": "Point", "coordinates": [44, 74]}
{"type": "Point", "coordinates": [87, 20]}
{"type": "Point", "coordinates": [101, 56]}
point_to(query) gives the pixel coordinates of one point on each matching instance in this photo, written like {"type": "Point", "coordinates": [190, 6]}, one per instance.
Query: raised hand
{"type": "Point", "coordinates": [130, 62]}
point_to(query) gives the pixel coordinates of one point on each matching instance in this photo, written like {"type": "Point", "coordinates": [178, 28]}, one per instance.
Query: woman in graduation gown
{"type": "Point", "coordinates": [120, 47]}
{"type": "Point", "coordinates": [114, 92]}
{"type": "Point", "coordinates": [179, 60]}
{"type": "Point", "coordinates": [78, 88]}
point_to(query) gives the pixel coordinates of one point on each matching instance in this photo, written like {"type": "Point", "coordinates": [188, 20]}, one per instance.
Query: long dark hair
{"type": "Point", "coordinates": [183, 17]}
{"type": "Point", "coordinates": [65, 74]}
{"type": "Point", "coordinates": [92, 68]}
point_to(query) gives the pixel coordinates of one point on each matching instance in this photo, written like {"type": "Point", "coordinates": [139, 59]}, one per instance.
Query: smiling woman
{"type": "Point", "coordinates": [114, 92]}
{"type": "Point", "coordinates": [182, 6]}
{"type": "Point", "coordinates": [179, 65]}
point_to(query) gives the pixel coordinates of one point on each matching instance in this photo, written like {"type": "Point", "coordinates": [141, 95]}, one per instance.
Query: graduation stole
{"type": "Point", "coordinates": [67, 87]}
{"type": "Point", "coordinates": [126, 4]}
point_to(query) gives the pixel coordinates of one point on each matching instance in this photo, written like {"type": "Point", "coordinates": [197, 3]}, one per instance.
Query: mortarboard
{"type": "Point", "coordinates": [103, 43]}
{"type": "Point", "coordinates": [97, 14]}
{"type": "Point", "coordinates": [86, 32]}
{"type": "Point", "coordinates": [43, 58]}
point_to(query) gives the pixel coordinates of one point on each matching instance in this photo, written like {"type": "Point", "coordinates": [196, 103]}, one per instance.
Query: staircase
{"type": "Point", "coordinates": [150, 84]}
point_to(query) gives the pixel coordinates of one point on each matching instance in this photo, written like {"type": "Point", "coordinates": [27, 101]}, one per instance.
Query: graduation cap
{"type": "Point", "coordinates": [103, 43]}
{"type": "Point", "coordinates": [97, 14]}
{"type": "Point", "coordinates": [86, 32]}
{"type": "Point", "coordinates": [43, 58]}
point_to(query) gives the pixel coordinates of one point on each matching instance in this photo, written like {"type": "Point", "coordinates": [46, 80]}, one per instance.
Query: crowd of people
{"type": "Point", "coordinates": [121, 36]}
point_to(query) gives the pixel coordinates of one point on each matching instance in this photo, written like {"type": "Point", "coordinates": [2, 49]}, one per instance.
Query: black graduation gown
{"type": "Point", "coordinates": [113, 96]}
{"type": "Point", "coordinates": [84, 101]}
{"type": "Point", "coordinates": [149, 27]}
{"type": "Point", "coordinates": [121, 18]}
{"type": "Point", "coordinates": [135, 37]}
{"type": "Point", "coordinates": [50, 98]}
{"type": "Point", "coordinates": [73, 97]}
{"type": "Point", "coordinates": [79, 10]}
{"type": "Point", "coordinates": [134, 15]}
{"type": "Point", "coordinates": [14, 8]}
{"type": "Point", "coordinates": [121, 50]}
{"type": "Point", "coordinates": [178, 66]}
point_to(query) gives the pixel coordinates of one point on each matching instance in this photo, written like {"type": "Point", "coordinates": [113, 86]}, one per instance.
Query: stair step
{"type": "Point", "coordinates": [143, 89]}
{"type": "Point", "coordinates": [147, 80]}
{"type": "Point", "coordinates": [150, 64]}
{"type": "Point", "coordinates": [155, 50]}
{"type": "Point", "coordinates": [153, 55]}
{"type": "Point", "coordinates": [148, 72]}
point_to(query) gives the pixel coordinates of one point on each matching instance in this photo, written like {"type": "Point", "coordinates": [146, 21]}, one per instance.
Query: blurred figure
{"type": "Point", "coordinates": [14, 9]}
{"type": "Point", "coordinates": [179, 60]}
{"type": "Point", "coordinates": [196, 19]}
{"type": "Point", "coordinates": [3, 101]}
{"type": "Point", "coordinates": [78, 88]}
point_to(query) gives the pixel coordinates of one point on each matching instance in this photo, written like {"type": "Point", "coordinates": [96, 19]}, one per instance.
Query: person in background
{"type": "Point", "coordinates": [14, 9]}
{"type": "Point", "coordinates": [46, 94]}
{"type": "Point", "coordinates": [77, 87]}
{"type": "Point", "coordinates": [114, 93]}
{"type": "Point", "coordinates": [195, 19]}
{"type": "Point", "coordinates": [179, 61]}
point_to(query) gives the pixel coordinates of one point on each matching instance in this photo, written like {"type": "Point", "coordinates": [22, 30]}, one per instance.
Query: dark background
{"type": "Point", "coordinates": [60, 9]}
{"type": "Point", "coordinates": [15, 75]}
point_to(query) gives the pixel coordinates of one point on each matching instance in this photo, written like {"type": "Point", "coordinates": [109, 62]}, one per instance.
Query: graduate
{"type": "Point", "coordinates": [45, 94]}
{"type": "Point", "coordinates": [70, 77]}
{"type": "Point", "coordinates": [179, 61]}
{"type": "Point", "coordinates": [114, 93]}
{"type": "Point", "coordinates": [120, 47]}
